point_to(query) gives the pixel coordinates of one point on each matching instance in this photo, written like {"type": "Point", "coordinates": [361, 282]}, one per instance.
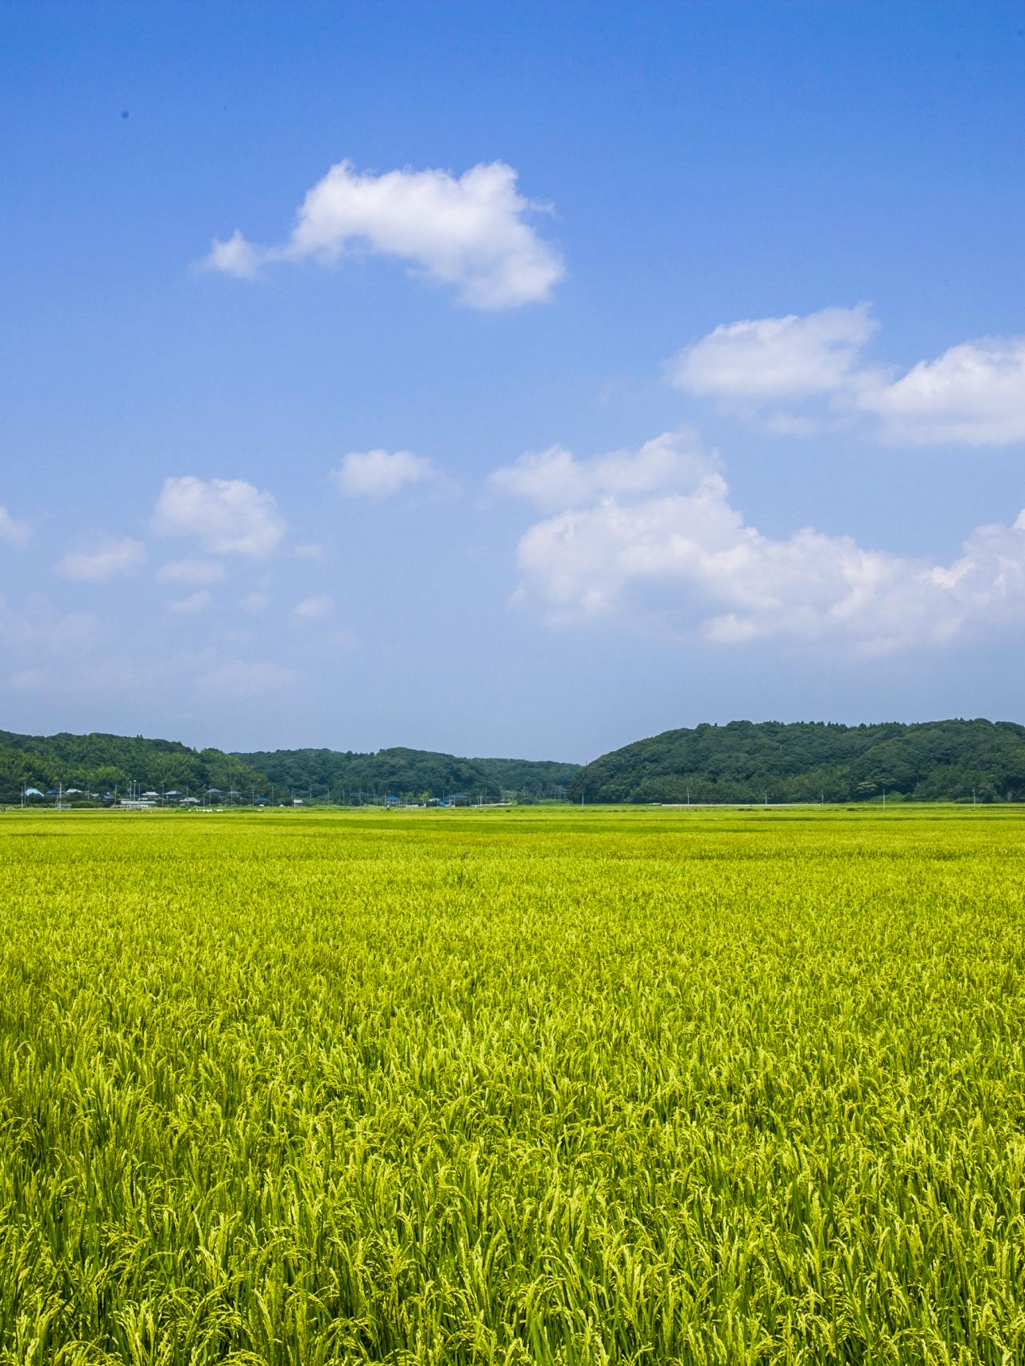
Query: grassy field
{"type": "Point", "coordinates": [513, 1086]}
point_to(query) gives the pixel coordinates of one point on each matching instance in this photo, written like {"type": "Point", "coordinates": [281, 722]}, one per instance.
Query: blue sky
{"type": "Point", "coordinates": [513, 379]}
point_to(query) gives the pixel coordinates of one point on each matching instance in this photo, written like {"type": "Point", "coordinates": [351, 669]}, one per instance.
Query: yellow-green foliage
{"type": "Point", "coordinates": [513, 1087]}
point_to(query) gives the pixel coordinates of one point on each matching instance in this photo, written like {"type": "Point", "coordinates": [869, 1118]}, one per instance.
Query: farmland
{"type": "Point", "coordinates": [513, 1086]}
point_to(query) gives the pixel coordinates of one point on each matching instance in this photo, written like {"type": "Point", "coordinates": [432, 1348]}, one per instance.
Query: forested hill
{"type": "Point", "coordinates": [108, 764]}
{"type": "Point", "coordinates": [345, 776]}
{"type": "Point", "coordinates": [748, 762]}
{"type": "Point", "coordinates": [105, 763]}
{"type": "Point", "coordinates": [739, 762]}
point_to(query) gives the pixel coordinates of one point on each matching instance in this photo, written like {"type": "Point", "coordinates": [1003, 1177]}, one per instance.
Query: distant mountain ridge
{"type": "Point", "coordinates": [743, 761]}
{"type": "Point", "coordinates": [748, 761]}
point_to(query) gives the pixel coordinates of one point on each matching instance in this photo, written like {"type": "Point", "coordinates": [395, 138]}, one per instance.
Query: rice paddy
{"type": "Point", "coordinates": [513, 1086]}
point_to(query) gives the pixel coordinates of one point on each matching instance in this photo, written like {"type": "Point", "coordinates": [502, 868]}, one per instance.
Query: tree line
{"type": "Point", "coordinates": [741, 762]}
{"type": "Point", "coordinates": [348, 777]}
{"type": "Point", "coordinates": [104, 767]}
{"type": "Point", "coordinates": [107, 764]}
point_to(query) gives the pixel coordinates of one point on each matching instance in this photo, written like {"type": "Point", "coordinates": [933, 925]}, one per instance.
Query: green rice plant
{"type": "Point", "coordinates": [509, 1086]}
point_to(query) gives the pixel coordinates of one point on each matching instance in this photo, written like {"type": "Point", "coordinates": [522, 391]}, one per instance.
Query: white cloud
{"type": "Point", "coordinates": [227, 516]}
{"type": "Point", "coordinates": [556, 479]}
{"type": "Point", "coordinates": [241, 679]}
{"type": "Point", "coordinates": [15, 533]}
{"type": "Point", "coordinates": [772, 358]}
{"type": "Point", "coordinates": [685, 560]}
{"type": "Point", "coordinates": [190, 571]}
{"type": "Point", "coordinates": [108, 560]}
{"type": "Point", "coordinates": [255, 602]}
{"type": "Point", "coordinates": [37, 628]}
{"type": "Point", "coordinates": [467, 231]}
{"type": "Point", "coordinates": [379, 474]}
{"type": "Point", "coordinates": [234, 257]}
{"type": "Point", "coordinates": [973, 393]}
{"type": "Point", "coordinates": [109, 674]}
{"type": "Point", "coordinates": [195, 602]}
{"type": "Point", "coordinates": [316, 608]}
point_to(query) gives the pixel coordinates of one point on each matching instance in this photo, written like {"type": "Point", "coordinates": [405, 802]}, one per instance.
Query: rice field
{"type": "Point", "coordinates": [513, 1086]}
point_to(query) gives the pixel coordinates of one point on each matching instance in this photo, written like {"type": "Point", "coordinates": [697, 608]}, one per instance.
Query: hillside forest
{"type": "Point", "coordinates": [741, 762]}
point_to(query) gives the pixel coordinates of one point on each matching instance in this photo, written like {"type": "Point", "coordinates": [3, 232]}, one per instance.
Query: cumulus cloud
{"type": "Point", "coordinates": [973, 394]}
{"type": "Point", "coordinates": [14, 533]}
{"type": "Point", "coordinates": [255, 603]}
{"type": "Point", "coordinates": [109, 559]}
{"type": "Point", "coordinates": [773, 358]}
{"type": "Point", "coordinates": [234, 257]}
{"type": "Point", "coordinates": [316, 608]}
{"type": "Point", "coordinates": [111, 671]}
{"type": "Point", "coordinates": [40, 627]}
{"type": "Point", "coordinates": [36, 628]}
{"type": "Point", "coordinates": [467, 231]}
{"type": "Point", "coordinates": [556, 479]}
{"type": "Point", "coordinates": [685, 560]}
{"type": "Point", "coordinates": [226, 516]}
{"type": "Point", "coordinates": [379, 474]}
{"type": "Point", "coordinates": [190, 571]}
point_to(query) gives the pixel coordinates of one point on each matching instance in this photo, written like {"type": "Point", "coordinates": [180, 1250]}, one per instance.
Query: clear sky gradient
{"type": "Point", "coordinates": [509, 379]}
